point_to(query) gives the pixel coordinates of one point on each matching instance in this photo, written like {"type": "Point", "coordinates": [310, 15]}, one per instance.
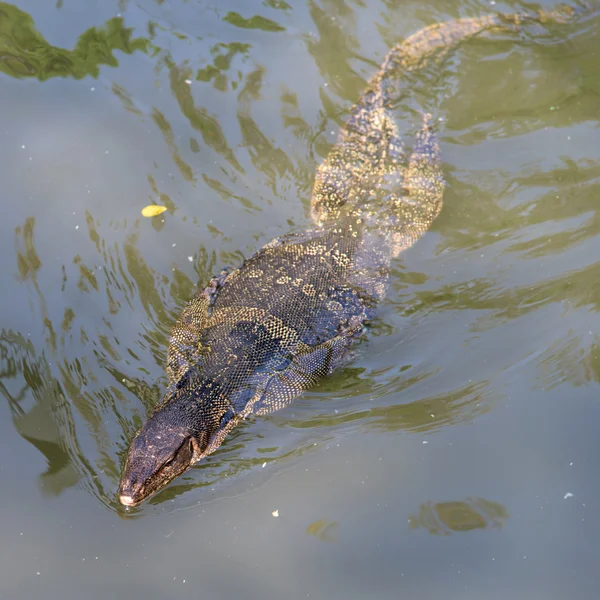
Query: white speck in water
{"type": "Point", "coordinates": [173, 245]}
{"type": "Point", "coordinates": [264, 465]}
{"type": "Point", "coordinates": [425, 442]}
{"type": "Point", "coordinates": [23, 146]}
{"type": "Point", "coordinates": [38, 573]}
{"type": "Point", "coordinates": [568, 495]}
{"type": "Point", "coordinates": [188, 81]}
{"type": "Point", "coordinates": [432, 416]}
{"type": "Point", "coordinates": [275, 513]}
{"type": "Point", "coordinates": [570, 464]}
{"type": "Point", "coordinates": [190, 258]}
{"type": "Point", "coordinates": [76, 226]}
{"type": "Point", "coordinates": [106, 152]}
{"type": "Point", "coordinates": [93, 89]}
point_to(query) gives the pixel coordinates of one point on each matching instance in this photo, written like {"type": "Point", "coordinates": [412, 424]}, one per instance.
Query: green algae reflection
{"type": "Point", "coordinates": [444, 518]}
{"type": "Point", "coordinates": [25, 53]}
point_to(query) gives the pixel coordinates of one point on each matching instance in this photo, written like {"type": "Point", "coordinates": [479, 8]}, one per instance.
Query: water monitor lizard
{"type": "Point", "coordinates": [256, 337]}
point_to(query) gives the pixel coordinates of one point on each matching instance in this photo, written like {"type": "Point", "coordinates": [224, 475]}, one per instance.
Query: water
{"type": "Point", "coordinates": [456, 456]}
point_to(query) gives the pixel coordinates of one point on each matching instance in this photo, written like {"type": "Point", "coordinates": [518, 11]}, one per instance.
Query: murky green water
{"type": "Point", "coordinates": [457, 457]}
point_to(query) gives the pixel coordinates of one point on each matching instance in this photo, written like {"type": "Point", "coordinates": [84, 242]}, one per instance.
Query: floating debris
{"type": "Point", "coordinates": [153, 210]}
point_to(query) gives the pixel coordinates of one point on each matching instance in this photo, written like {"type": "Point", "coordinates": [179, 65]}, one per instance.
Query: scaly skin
{"type": "Point", "coordinates": [258, 336]}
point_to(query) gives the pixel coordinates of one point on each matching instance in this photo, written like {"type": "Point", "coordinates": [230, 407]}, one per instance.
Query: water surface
{"type": "Point", "coordinates": [457, 455]}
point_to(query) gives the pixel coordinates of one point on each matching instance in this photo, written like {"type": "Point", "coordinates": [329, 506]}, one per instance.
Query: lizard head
{"type": "Point", "coordinates": [169, 443]}
{"type": "Point", "coordinates": [156, 456]}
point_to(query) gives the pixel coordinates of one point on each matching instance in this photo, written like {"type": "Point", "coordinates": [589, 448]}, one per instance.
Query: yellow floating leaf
{"type": "Point", "coordinates": [152, 210]}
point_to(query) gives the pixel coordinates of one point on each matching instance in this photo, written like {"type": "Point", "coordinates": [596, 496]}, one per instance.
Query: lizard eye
{"type": "Point", "coordinates": [169, 462]}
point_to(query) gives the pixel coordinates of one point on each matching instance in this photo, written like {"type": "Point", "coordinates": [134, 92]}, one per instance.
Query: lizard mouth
{"type": "Point", "coordinates": [128, 500]}
{"type": "Point", "coordinates": [130, 496]}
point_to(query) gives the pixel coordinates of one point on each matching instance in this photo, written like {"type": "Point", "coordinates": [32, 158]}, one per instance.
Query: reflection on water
{"type": "Point", "coordinates": [444, 518]}
{"type": "Point", "coordinates": [326, 531]}
{"type": "Point", "coordinates": [426, 414]}
{"type": "Point", "coordinates": [573, 359]}
{"type": "Point", "coordinates": [255, 22]}
{"type": "Point", "coordinates": [25, 52]}
{"type": "Point", "coordinates": [34, 397]}
{"type": "Point", "coordinates": [79, 389]}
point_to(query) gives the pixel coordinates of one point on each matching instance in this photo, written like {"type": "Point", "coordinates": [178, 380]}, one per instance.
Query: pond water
{"type": "Point", "coordinates": [456, 457]}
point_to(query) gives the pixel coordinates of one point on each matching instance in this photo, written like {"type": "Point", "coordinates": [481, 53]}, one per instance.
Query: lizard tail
{"type": "Point", "coordinates": [439, 38]}
{"type": "Point", "coordinates": [357, 161]}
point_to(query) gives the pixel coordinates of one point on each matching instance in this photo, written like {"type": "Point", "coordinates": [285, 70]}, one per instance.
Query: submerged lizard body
{"type": "Point", "coordinates": [258, 336]}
